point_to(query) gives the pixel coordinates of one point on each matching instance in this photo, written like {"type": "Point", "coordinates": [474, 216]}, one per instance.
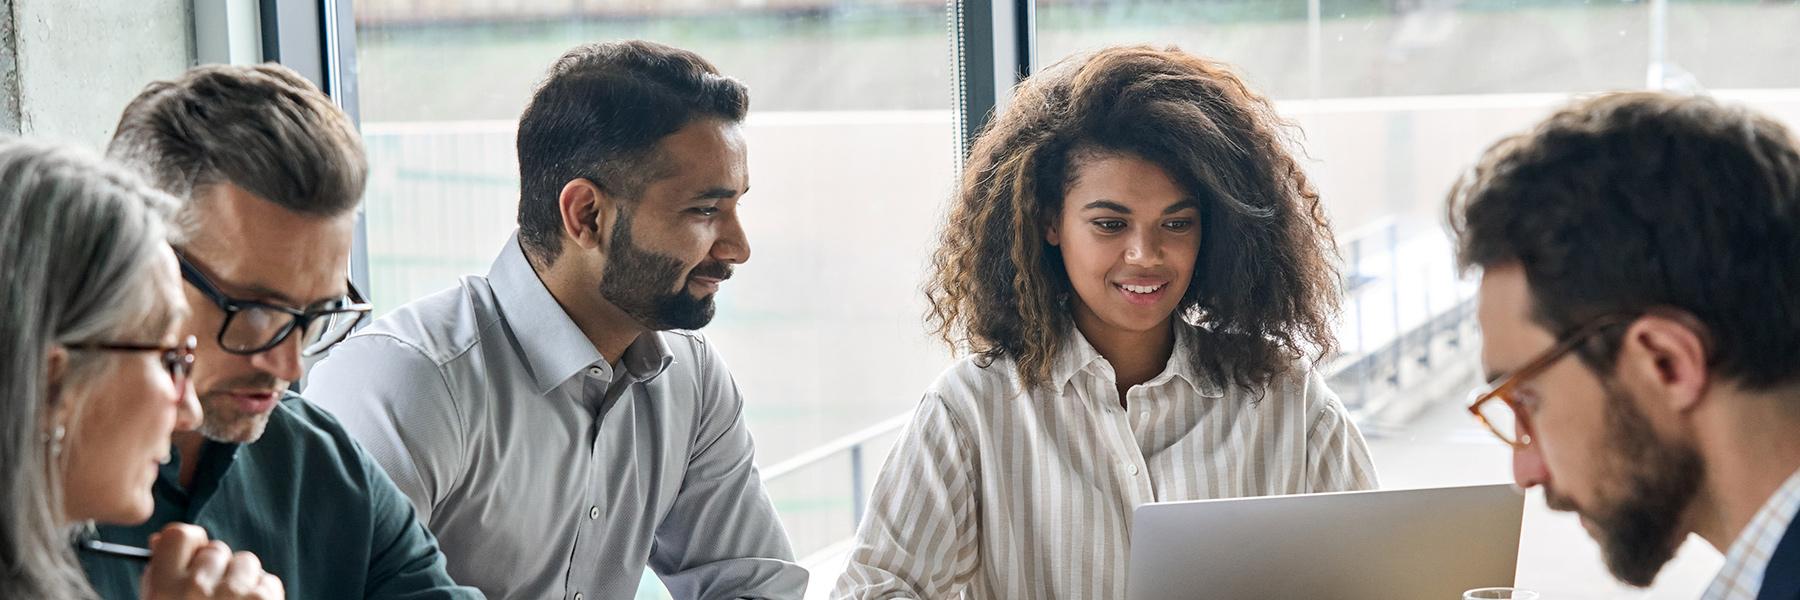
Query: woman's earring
{"type": "Point", "coordinates": [57, 434]}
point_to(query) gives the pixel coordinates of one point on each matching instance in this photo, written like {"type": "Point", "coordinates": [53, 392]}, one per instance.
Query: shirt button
{"type": "Point", "coordinates": [593, 512]}
{"type": "Point", "coordinates": [577, 595]}
{"type": "Point", "coordinates": [595, 371]}
{"type": "Point", "coordinates": [1132, 469]}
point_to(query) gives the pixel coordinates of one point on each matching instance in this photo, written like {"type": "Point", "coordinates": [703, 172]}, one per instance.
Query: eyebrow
{"type": "Point", "coordinates": [720, 193]}
{"type": "Point", "coordinates": [263, 293]}
{"type": "Point", "coordinates": [1184, 204]}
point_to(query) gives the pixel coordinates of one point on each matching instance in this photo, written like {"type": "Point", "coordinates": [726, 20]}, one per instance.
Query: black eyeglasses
{"type": "Point", "coordinates": [178, 360]}
{"type": "Point", "coordinates": [253, 327]}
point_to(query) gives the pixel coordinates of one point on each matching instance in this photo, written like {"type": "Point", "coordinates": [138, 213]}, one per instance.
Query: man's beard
{"type": "Point", "coordinates": [639, 282]}
{"type": "Point", "coordinates": [223, 421]}
{"type": "Point", "coordinates": [1649, 485]}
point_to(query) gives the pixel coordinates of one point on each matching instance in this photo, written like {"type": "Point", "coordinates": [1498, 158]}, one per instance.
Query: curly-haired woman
{"type": "Point", "coordinates": [1139, 270]}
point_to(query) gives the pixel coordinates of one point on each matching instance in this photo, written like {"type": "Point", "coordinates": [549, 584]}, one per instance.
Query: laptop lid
{"type": "Point", "coordinates": [1422, 543]}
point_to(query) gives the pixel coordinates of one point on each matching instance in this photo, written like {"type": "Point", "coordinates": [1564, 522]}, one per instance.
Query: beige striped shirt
{"type": "Point", "coordinates": [996, 492]}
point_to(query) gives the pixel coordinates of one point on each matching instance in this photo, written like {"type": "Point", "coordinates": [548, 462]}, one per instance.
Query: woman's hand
{"type": "Point", "coordinates": [185, 566]}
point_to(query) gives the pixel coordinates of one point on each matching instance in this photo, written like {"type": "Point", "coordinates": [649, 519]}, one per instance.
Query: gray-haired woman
{"type": "Point", "coordinates": [93, 378]}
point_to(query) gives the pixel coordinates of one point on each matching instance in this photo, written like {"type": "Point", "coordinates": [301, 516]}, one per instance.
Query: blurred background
{"type": "Point", "coordinates": [853, 153]}
{"type": "Point", "coordinates": [854, 148]}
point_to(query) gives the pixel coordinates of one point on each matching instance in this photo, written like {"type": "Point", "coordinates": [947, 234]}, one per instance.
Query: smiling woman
{"type": "Point", "coordinates": [1139, 269]}
{"type": "Point", "coordinates": [1262, 280]}
{"type": "Point", "coordinates": [1129, 238]}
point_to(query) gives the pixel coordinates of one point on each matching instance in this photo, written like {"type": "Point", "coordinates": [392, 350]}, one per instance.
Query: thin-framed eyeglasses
{"type": "Point", "coordinates": [1496, 403]}
{"type": "Point", "coordinates": [253, 327]}
{"type": "Point", "coordinates": [178, 360]}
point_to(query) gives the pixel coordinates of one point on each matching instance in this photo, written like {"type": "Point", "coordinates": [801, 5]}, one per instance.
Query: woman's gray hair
{"type": "Point", "coordinates": [79, 241]}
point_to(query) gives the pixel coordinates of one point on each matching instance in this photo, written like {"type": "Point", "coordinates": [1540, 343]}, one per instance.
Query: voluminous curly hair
{"type": "Point", "coordinates": [1263, 290]}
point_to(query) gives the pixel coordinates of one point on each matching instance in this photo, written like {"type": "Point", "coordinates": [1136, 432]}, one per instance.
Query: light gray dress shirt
{"type": "Point", "coordinates": [544, 471]}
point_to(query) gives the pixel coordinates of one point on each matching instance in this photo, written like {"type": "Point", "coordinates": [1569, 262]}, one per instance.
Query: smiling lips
{"type": "Point", "coordinates": [706, 284]}
{"type": "Point", "coordinates": [1142, 292]}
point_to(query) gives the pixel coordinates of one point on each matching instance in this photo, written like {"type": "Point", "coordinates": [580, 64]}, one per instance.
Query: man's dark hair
{"type": "Point", "coordinates": [263, 128]}
{"type": "Point", "coordinates": [1632, 201]}
{"type": "Point", "coordinates": [599, 114]}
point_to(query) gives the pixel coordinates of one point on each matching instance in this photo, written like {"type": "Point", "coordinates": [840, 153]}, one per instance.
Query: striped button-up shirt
{"type": "Point", "coordinates": [1741, 578]}
{"type": "Point", "coordinates": [996, 491]}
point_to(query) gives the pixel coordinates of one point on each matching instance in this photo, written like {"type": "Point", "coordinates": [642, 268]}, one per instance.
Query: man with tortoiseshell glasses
{"type": "Point", "coordinates": [1640, 314]}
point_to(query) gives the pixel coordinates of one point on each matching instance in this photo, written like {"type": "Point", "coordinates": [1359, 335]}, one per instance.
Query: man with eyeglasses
{"type": "Point", "coordinates": [1640, 313]}
{"type": "Point", "coordinates": [270, 173]}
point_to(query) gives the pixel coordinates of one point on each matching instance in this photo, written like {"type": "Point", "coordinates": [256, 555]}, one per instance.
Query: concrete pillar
{"type": "Point", "coordinates": [67, 67]}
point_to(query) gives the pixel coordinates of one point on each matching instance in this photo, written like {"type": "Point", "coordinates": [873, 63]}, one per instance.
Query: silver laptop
{"type": "Point", "coordinates": [1400, 544]}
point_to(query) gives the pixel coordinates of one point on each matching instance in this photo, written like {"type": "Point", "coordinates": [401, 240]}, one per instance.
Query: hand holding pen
{"type": "Point", "coordinates": [184, 565]}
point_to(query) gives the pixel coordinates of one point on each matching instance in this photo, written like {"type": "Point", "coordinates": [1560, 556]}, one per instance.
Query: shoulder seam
{"type": "Point", "coordinates": [462, 434]}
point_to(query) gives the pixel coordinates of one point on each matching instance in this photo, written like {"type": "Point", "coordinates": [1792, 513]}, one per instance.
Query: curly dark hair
{"type": "Point", "coordinates": [1263, 290]}
{"type": "Point", "coordinates": [1632, 201]}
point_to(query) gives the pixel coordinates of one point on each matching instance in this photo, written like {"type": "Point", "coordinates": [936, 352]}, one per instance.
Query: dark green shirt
{"type": "Point", "coordinates": [317, 511]}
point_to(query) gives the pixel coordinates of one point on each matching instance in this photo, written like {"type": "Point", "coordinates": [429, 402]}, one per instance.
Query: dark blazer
{"type": "Point", "coordinates": [1781, 581]}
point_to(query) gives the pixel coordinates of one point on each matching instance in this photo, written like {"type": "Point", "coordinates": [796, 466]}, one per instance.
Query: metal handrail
{"type": "Point", "coordinates": [852, 443]}
{"type": "Point", "coordinates": [831, 448]}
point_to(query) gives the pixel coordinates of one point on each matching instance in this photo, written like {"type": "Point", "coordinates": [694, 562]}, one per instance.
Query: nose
{"type": "Point", "coordinates": [282, 361]}
{"type": "Point", "coordinates": [1528, 468]}
{"type": "Point", "coordinates": [1142, 249]}
{"type": "Point", "coordinates": [733, 246]}
{"type": "Point", "coordinates": [187, 408]}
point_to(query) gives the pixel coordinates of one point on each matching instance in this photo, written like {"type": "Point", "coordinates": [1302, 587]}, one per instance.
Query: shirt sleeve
{"type": "Point", "coordinates": [722, 537]}
{"type": "Point", "coordinates": [1337, 457]}
{"type": "Point", "coordinates": [404, 561]}
{"type": "Point", "coordinates": [919, 537]}
{"type": "Point", "coordinates": [373, 384]}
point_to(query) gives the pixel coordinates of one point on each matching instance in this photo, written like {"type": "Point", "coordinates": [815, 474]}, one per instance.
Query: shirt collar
{"type": "Point", "coordinates": [214, 463]}
{"type": "Point", "coordinates": [554, 348]}
{"type": "Point", "coordinates": [1078, 356]}
{"type": "Point", "coordinates": [1746, 562]}
{"type": "Point", "coordinates": [1181, 362]}
{"type": "Point", "coordinates": [647, 357]}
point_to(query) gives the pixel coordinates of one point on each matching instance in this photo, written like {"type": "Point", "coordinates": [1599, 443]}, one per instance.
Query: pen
{"type": "Point", "coordinates": [132, 553]}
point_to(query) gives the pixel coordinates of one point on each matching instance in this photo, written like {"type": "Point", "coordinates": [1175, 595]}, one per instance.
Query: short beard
{"type": "Point", "coordinates": [221, 420]}
{"type": "Point", "coordinates": [639, 282]}
{"type": "Point", "coordinates": [1657, 482]}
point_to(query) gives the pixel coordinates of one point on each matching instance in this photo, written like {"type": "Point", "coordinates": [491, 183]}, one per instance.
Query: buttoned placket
{"type": "Point", "coordinates": [1133, 472]}
{"type": "Point", "coordinates": [596, 385]}
{"type": "Point", "coordinates": [1140, 404]}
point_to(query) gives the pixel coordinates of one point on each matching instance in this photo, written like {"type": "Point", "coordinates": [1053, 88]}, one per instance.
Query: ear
{"type": "Point", "coordinates": [56, 366]}
{"type": "Point", "coordinates": [587, 212]}
{"type": "Point", "coordinates": [1665, 359]}
{"type": "Point", "coordinates": [1051, 235]}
